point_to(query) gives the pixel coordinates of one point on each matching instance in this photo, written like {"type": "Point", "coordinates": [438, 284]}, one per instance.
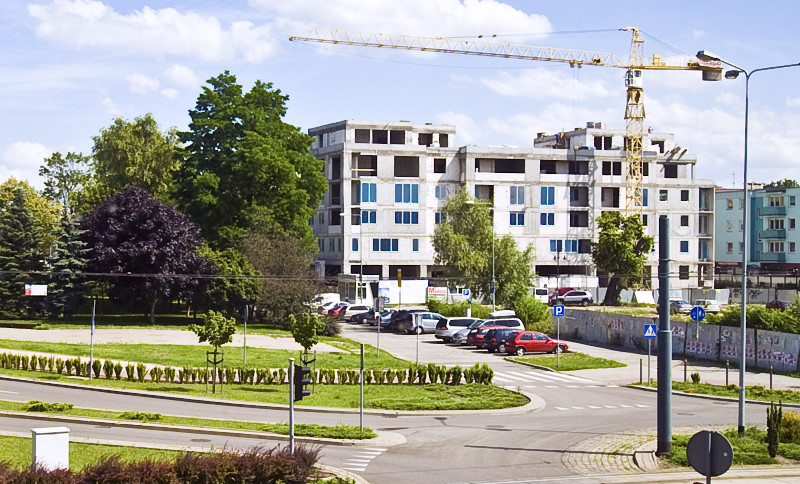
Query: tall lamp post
{"type": "Point", "coordinates": [477, 202]}
{"type": "Point", "coordinates": [707, 56]}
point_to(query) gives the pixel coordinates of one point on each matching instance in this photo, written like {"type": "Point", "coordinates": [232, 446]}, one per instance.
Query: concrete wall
{"type": "Point", "coordinates": [690, 339]}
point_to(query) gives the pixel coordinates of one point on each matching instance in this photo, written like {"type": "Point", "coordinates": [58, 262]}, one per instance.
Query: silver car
{"type": "Point", "coordinates": [447, 327]}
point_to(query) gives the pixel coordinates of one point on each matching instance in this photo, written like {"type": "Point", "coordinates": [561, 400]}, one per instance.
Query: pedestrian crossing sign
{"type": "Point", "coordinates": [650, 331]}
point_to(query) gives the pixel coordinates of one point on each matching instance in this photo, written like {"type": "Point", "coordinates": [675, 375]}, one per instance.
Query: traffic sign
{"type": "Point", "coordinates": [465, 292]}
{"type": "Point", "coordinates": [650, 331]}
{"type": "Point", "coordinates": [559, 311]}
{"type": "Point", "coordinates": [709, 453]}
{"type": "Point", "coordinates": [491, 287]}
{"type": "Point", "coordinates": [697, 313]}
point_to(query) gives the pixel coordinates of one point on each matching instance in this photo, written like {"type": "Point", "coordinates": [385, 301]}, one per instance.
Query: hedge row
{"type": "Point", "coordinates": [268, 466]}
{"type": "Point", "coordinates": [421, 374]}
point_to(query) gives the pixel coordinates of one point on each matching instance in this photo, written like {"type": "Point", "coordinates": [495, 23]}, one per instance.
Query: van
{"type": "Point", "coordinates": [541, 294]}
{"type": "Point", "coordinates": [502, 313]}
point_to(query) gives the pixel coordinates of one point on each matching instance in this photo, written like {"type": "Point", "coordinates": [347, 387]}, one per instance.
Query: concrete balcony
{"type": "Point", "coordinates": [770, 234]}
{"type": "Point", "coordinates": [771, 211]}
{"type": "Point", "coordinates": [773, 256]}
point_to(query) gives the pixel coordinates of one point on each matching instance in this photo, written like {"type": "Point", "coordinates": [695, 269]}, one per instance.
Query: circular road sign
{"type": "Point", "coordinates": [709, 451]}
{"type": "Point", "coordinates": [697, 313]}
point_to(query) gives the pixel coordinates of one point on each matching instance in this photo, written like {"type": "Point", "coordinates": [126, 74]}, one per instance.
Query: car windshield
{"type": "Point", "coordinates": [475, 324]}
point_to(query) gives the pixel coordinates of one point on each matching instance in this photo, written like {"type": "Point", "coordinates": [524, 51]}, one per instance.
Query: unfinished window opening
{"type": "Point", "coordinates": [509, 166]}
{"type": "Point", "coordinates": [659, 145]}
{"type": "Point", "coordinates": [612, 168]}
{"type": "Point", "coordinates": [367, 165]}
{"type": "Point", "coordinates": [645, 169]}
{"type": "Point", "coordinates": [670, 170]}
{"type": "Point", "coordinates": [484, 192]}
{"type": "Point", "coordinates": [602, 142]}
{"type": "Point", "coordinates": [578, 219]}
{"type": "Point", "coordinates": [584, 246]}
{"type": "Point", "coordinates": [444, 140]}
{"type": "Point", "coordinates": [547, 167]}
{"type": "Point", "coordinates": [578, 167]}
{"type": "Point", "coordinates": [406, 166]}
{"type": "Point", "coordinates": [335, 218]}
{"type": "Point", "coordinates": [336, 168]}
{"type": "Point", "coordinates": [426, 139]}
{"type": "Point", "coordinates": [578, 196]}
{"type": "Point", "coordinates": [397, 137]}
{"type": "Point", "coordinates": [683, 272]}
{"type": "Point", "coordinates": [439, 165]}
{"type": "Point", "coordinates": [609, 197]}
{"type": "Point", "coordinates": [380, 136]}
{"type": "Point", "coordinates": [336, 194]}
{"type": "Point", "coordinates": [362, 136]}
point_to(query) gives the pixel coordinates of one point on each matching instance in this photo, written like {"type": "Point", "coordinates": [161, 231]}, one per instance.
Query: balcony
{"type": "Point", "coordinates": [772, 234]}
{"type": "Point", "coordinates": [770, 211]}
{"type": "Point", "coordinates": [773, 256]}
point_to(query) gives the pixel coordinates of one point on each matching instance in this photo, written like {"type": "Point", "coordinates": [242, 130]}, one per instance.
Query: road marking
{"type": "Point", "coordinates": [609, 406]}
{"type": "Point", "coordinates": [594, 407]}
{"type": "Point", "coordinates": [642, 406]}
{"type": "Point", "coordinates": [572, 386]}
{"type": "Point", "coordinates": [551, 386]}
{"type": "Point", "coordinates": [579, 408]}
{"type": "Point", "coordinates": [6, 391]}
{"type": "Point", "coordinates": [362, 458]}
{"type": "Point", "coordinates": [625, 406]}
{"type": "Point", "coordinates": [561, 408]}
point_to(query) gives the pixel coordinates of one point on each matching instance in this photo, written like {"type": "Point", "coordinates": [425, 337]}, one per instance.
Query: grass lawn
{"type": "Point", "coordinates": [17, 452]}
{"type": "Point", "coordinates": [389, 397]}
{"type": "Point", "coordinates": [568, 361]}
{"type": "Point", "coordinates": [751, 393]}
{"type": "Point", "coordinates": [305, 430]}
{"type": "Point", "coordinates": [195, 356]}
{"type": "Point", "coordinates": [748, 450]}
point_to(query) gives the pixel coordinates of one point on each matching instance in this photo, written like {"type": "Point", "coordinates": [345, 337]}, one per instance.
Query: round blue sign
{"type": "Point", "coordinates": [698, 314]}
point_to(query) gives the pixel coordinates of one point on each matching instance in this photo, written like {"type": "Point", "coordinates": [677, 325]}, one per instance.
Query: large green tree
{"type": "Point", "coordinates": [242, 165]}
{"type": "Point", "coordinates": [785, 183]}
{"type": "Point", "coordinates": [620, 251]}
{"type": "Point", "coordinates": [463, 245]}
{"type": "Point", "coordinates": [135, 154]}
{"type": "Point", "coordinates": [66, 179]}
{"type": "Point", "coordinates": [67, 262]}
{"type": "Point", "coordinates": [19, 254]}
{"type": "Point", "coordinates": [45, 213]}
{"type": "Point", "coordinates": [236, 282]}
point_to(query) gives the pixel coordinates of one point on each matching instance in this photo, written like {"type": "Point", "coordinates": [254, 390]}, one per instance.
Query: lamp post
{"type": "Point", "coordinates": [733, 74]}
{"type": "Point", "coordinates": [476, 202]}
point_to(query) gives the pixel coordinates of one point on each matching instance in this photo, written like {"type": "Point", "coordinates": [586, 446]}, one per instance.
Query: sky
{"type": "Point", "coordinates": [70, 67]}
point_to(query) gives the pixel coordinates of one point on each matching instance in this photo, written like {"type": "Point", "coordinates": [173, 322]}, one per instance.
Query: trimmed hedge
{"type": "Point", "coordinates": [431, 373]}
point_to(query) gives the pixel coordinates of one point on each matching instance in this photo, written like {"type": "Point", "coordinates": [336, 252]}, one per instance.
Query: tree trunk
{"type": "Point", "coordinates": [153, 310]}
{"type": "Point", "coordinates": [612, 291]}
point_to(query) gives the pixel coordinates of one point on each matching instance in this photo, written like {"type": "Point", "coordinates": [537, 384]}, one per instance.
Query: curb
{"type": "Point", "coordinates": [709, 397]}
{"type": "Point", "coordinates": [383, 438]}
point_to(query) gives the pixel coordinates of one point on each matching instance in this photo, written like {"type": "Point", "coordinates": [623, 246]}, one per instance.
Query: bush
{"type": "Point", "coordinates": [129, 372]}
{"type": "Point", "coordinates": [96, 367]}
{"type": "Point", "coordinates": [332, 327]}
{"type": "Point", "coordinates": [759, 317]}
{"type": "Point", "coordinates": [458, 309]}
{"type": "Point", "coordinates": [59, 365]}
{"type": "Point", "coordinates": [141, 372]}
{"type": "Point", "coordinates": [118, 371]}
{"type": "Point", "coordinates": [790, 428]}
{"type": "Point", "coordinates": [40, 406]}
{"type": "Point", "coordinates": [108, 369]}
{"type": "Point", "coordinates": [142, 416]}
{"type": "Point", "coordinates": [535, 315]}
{"type": "Point", "coordinates": [695, 378]}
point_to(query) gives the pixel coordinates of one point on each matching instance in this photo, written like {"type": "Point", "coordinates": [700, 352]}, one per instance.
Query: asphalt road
{"type": "Point", "coordinates": [445, 448]}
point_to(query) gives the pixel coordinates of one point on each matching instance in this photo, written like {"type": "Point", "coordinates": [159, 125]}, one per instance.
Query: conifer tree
{"type": "Point", "coordinates": [67, 261]}
{"type": "Point", "coordinates": [19, 255]}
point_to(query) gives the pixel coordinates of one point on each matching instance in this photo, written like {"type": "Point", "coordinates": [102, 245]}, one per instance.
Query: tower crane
{"type": "Point", "coordinates": [634, 107]}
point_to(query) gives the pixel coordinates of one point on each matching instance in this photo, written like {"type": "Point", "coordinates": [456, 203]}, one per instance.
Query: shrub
{"type": "Point", "coordinates": [332, 327]}
{"type": "Point", "coordinates": [169, 374]}
{"type": "Point", "coordinates": [84, 367]}
{"type": "Point", "coordinates": [24, 362]}
{"type": "Point", "coordinates": [230, 375]}
{"type": "Point", "coordinates": [533, 313]}
{"type": "Point", "coordinates": [129, 372]}
{"type": "Point", "coordinates": [774, 417]}
{"type": "Point", "coordinates": [455, 379]}
{"type": "Point", "coordinates": [142, 416]}
{"type": "Point", "coordinates": [40, 406]}
{"type": "Point", "coordinates": [108, 369]}
{"type": "Point", "coordinates": [790, 428]}
{"type": "Point", "coordinates": [68, 364]}
{"type": "Point", "coordinates": [59, 365]}
{"type": "Point", "coordinates": [156, 373]}
{"type": "Point", "coordinates": [118, 371]}
{"type": "Point", "coordinates": [695, 378]}
{"type": "Point", "coordinates": [96, 367]}
{"type": "Point", "coordinates": [33, 362]}
{"type": "Point", "coordinates": [141, 372]}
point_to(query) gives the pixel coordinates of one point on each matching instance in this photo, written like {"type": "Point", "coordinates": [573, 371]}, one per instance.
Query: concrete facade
{"type": "Point", "coordinates": [389, 180]}
{"type": "Point", "coordinates": [773, 232]}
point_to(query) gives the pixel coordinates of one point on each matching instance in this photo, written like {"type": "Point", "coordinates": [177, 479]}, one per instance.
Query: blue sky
{"type": "Point", "coordinates": [71, 66]}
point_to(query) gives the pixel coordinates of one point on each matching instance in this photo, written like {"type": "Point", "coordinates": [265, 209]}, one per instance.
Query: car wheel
{"type": "Point", "coordinates": [585, 302]}
{"type": "Point", "coordinates": [501, 348]}
{"type": "Point", "coordinates": [419, 330]}
{"type": "Point", "coordinates": [560, 301]}
{"type": "Point", "coordinates": [520, 351]}
{"type": "Point", "coordinates": [558, 349]}
{"type": "Point", "coordinates": [447, 340]}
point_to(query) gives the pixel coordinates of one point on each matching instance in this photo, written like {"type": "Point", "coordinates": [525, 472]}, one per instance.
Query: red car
{"type": "Point", "coordinates": [776, 304]}
{"type": "Point", "coordinates": [338, 310]}
{"type": "Point", "coordinates": [533, 342]}
{"type": "Point", "coordinates": [475, 337]}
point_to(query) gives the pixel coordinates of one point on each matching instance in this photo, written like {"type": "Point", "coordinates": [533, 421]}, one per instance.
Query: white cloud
{"type": "Point", "coordinates": [141, 84]}
{"type": "Point", "coordinates": [467, 131]}
{"type": "Point", "coordinates": [793, 102]}
{"type": "Point", "coordinates": [170, 93]}
{"type": "Point", "coordinates": [22, 160]}
{"type": "Point", "coordinates": [110, 107]}
{"type": "Point", "coordinates": [698, 34]}
{"type": "Point", "coordinates": [413, 17]}
{"type": "Point", "coordinates": [158, 33]}
{"type": "Point", "coordinates": [543, 83]}
{"type": "Point", "coordinates": [182, 76]}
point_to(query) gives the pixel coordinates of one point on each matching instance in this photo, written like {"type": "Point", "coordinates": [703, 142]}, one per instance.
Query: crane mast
{"type": "Point", "coordinates": [634, 108]}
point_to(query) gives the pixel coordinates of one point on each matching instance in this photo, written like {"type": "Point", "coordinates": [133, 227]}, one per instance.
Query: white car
{"type": "Point", "coordinates": [447, 327]}
{"type": "Point", "coordinates": [353, 310]}
{"type": "Point", "coordinates": [576, 297]}
{"type": "Point", "coordinates": [709, 305]}
{"type": "Point", "coordinates": [427, 324]}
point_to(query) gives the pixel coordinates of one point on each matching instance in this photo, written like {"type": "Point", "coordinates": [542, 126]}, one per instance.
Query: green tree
{"type": "Point", "coordinates": [217, 330]}
{"type": "Point", "coordinates": [19, 254]}
{"type": "Point", "coordinates": [242, 165]}
{"type": "Point", "coordinates": [463, 245]}
{"type": "Point", "coordinates": [67, 261]}
{"type": "Point", "coordinates": [65, 180]}
{"type": "Point", "coordinates": [45, 213]}
{"type": "Point", "coordinates": [307, 329]}
{"type": "Point", "coordinates": [621, 250]}
{"type": "Point", "coordinates": [236, 283]}
{"type": "Point", "coordinates": [135, 154]}
{"type": "Point", "coordinates": [785, 183]}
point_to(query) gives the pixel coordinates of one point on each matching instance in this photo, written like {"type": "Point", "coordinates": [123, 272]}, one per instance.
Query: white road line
{"type": "Point", "coordinates": [625, 406]}
{"type": "Point", "coordinates": [373, 448]}
{"type": "Point", "coordinates": [609, 406]}
{"type": "Point", "coordinates": [359, 461]}
{"type": "Point", "coordinates": [6, 391]}
{"type": "Point", "coordinates": [642, 406]}
{"type": "Point", "coordinates": [593, 407]}
{"type": "Point", "coordinates": [572, 386]}
{"type": "Point", "coordinates": [579, 408]}
{"type": "Point", "coordinates": [551, 386]}
{"type": "Point", "coordinates": [561, 408]}
{"type": "Point", "coordinates": [507, 377]}
{"type": "Point", "coordinates": [575, 378]}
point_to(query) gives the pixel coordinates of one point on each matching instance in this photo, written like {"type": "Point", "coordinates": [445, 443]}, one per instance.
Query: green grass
{"type": "Point", "coordinates": [17, 452]}
{"type": "Point", "coordinates": [748, 450]}
{"type": "Point", "coordinates": [751, 393]}
{"type": "Point", "coordinates": [389, 397]}
{"type": "Point", "coordinates": [305, 430]}
{"type": "Point", "coordinates": [569, 361]}
{"type": "Point", "coordinates": [195, 355]}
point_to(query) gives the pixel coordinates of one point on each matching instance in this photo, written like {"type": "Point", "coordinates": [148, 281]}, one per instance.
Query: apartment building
{"type": "Point", "coordinates": [772, 236]}
{"type": "Point", "coordinates": [389, 180]}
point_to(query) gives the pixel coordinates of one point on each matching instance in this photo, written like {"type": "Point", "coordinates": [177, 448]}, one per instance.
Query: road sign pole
{"type": "Point", "coordinates": [291, 406]}
{"type": "Point", "coordinates": [649, 345]}
{"type": "Point", "coordinates": [361, 400]}
{"type": "Point", "coordinates": [664, 371]}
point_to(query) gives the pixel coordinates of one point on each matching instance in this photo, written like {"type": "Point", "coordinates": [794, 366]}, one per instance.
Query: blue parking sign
{"type": "Point", "coordinates": [559, 311]}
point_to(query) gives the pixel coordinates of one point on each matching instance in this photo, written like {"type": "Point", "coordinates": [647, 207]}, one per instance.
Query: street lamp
{"type": "Point", "coordinates": [707, 56]}
{"type": "Point", "coordinates": [490, 204]}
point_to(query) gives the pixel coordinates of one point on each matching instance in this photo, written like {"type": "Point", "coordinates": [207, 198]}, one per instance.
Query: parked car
{"type": "Point", "coordinates": [557, 293]}
{"type": "Point", "coordinates": [447, 327]}
{"type": "Point", "coordinates": [513, 323]}
{"type": "Point", "coordinates": [540, 294]}
{"type": "Point", "coordinates": [426, 325]}
{"type": "Point", "coordinates": [338, 309]}
{"type": "Point", "coordinates": [364, 317]}
{"type": "Point", "coordinates": [678, 306]}
{"type": "Point", "coordinates": [776, 304]}
{"type": "Point", "coordinates": [475, 336]}
{"type": "Point", "coordinates": [533, 342]}
{"type": "Point", "coordinates": [583, 298]}
{"type": "Point", "coordinates": [354, 309]}
{"type": "Point", "coordinates": [709, 305]}
{"type": "Point", "coordinates": [384, 318]}
{"type": "Point", "coordinates": [460, 337]}
{"type": "Point", "coordinates": [495, 339]}
{"type": "Point", "coordinates": [399, 318]}
{"type": "Point", "coordinates": [328, 306]}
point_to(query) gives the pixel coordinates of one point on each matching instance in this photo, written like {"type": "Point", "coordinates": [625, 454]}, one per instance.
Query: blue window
{"type": "Point", "coordinates": [517, 218]}
{"type": "Point", "coordinates": [684, 246]}
{"type": "Point", "coordinates": [369, 216]}
{"type": "Point", "coordinates": [415, 245]}
{"type": "Point", "coordinates": [547, 219]}
{"type": "Point", "coordinates": [441, 192]}
{"type": "Point", "coordinates": [368, 192]}
{"type": "Point", "coordinates": [384, 245]}
{"type": "Point", "coordinates": [548, 196]}
{"type": "Point", "coordinates": [517, 195]}
{"type": "Point", "coordinates": [438, 217]}
{"type": "Point", "coordinates": [406, 193]}
{"type": "Point", "coordinates": [355, 244]}
{"type": "Point", "coordinates": [644, 197]}
{"type": "Point", "coordinates": [570, 246]}
{"type": "Point", "coordinates": [406, 218]}
{"type": "Point", "coordinates": [556, 246]}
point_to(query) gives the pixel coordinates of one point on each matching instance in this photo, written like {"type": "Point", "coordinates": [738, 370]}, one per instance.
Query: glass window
{"type": "Point", "coordinates": [730, 247]}
{"type": "Point", "coordinates": [644, 219]}
{"type": "Point", "coordinates": [415, 245]}
{"type": "Point", "coordinates": [730, 204]}
{"type": "Point", "coordinates": [684, 246]}
{"type": "Point", "coordinates": [517, 195]}
{"type": "Point", "coordinates": [644, 197]}
{"type": "Point", "coordinates": [437, 217]}
{"type": "Point", "coordinates": [662, 195]}
{"type": "Point", "coordinates": [517, 218]}
{"type": "Point", "coordinates": [548, 195]}
{"type": "Point", "coordinates": [441, 192]}
{"type": "Point", "coordinates": [369, 216]}
{"type": "Point", "coordinates": [683, 272]}
{"type": "Point", "coordinates": [547, 218]}
{"type": "Point", "coordinates": [368, 192]}
{"type": "Point", "coordinates": [406, 193]}
{"type": "Point", "coordinates": [684, 220]}
{"type": "Point", "coordinates": [556, 246]}
{"type": "Point", "coordinates": [355, 244]}
{"type": "Point", "coordinates": [684, 195]}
